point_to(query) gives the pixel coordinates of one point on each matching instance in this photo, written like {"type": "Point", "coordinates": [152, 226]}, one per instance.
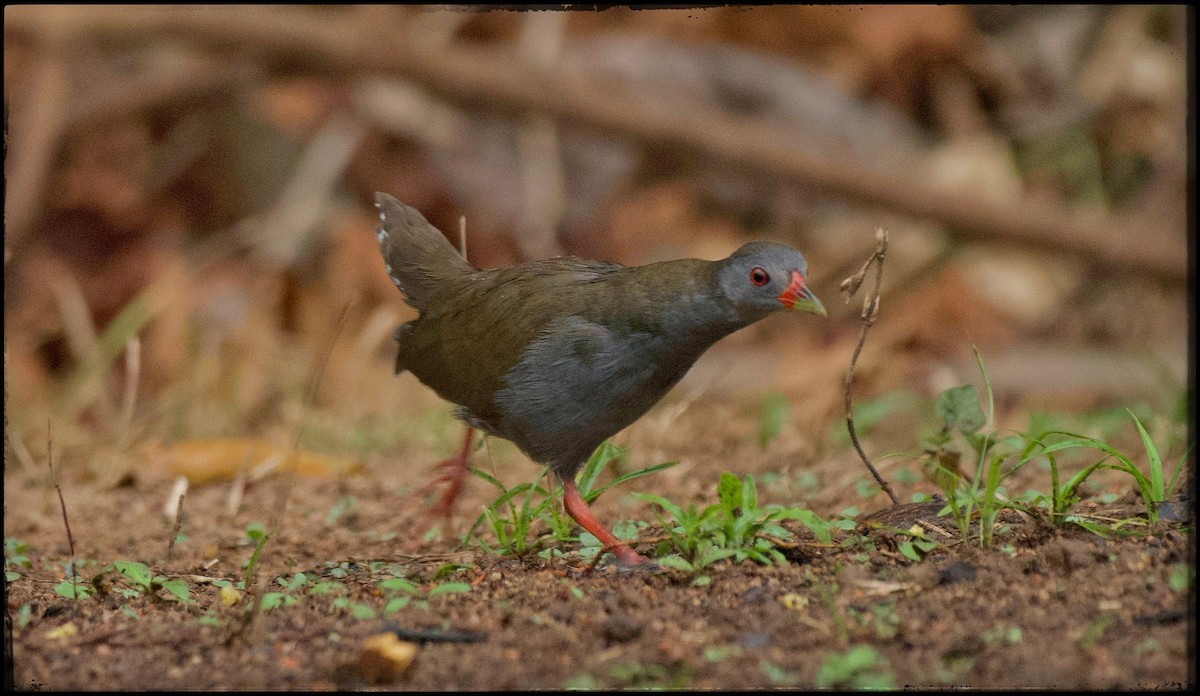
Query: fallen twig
{"type": "Point", "coordinates": [870, 309]}
{"type": "Point", "coordinates": [437, 635]}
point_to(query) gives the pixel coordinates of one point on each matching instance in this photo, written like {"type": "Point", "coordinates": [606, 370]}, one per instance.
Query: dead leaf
{"type": "Point", "coordinates": [207, 461]}
{"type": "Point", "coordinates": [385, 657]}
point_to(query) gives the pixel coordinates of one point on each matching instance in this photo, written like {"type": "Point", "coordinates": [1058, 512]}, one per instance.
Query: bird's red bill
{"type": "Point", "coordinates": [795, 290]}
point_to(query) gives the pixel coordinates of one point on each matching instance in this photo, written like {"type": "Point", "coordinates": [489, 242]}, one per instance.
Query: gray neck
{"type": "Point", "coordinates": [700, 313]}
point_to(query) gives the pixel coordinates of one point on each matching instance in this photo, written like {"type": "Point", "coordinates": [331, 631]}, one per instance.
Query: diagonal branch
{"type": "Point", "coordinates": [501, 80]}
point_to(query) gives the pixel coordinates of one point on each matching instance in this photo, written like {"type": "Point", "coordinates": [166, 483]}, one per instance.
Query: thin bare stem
{"type": "Point", "coordinates": [309, 397]}
{"type": "Point", "coordinates": [178, 495]}
{"type": "Point", "coordinates": [462, 235]}
{"type": "Point", "coordinates": [66, 523]}
{"type": "Point", "coordinates": [254, 589]}
{"type": "Point", "coordinates": [870, 310]}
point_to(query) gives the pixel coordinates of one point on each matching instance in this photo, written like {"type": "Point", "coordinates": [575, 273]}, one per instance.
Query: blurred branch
{"type": "Point", "coordinates": [286, 230]}
{"type": "Point", "coordinates": [496, 77]}
{"type": "Point", "coordinates": [82, 340]}
{"type": "Point", "coordinates": [125, 95]}
{"type": "Point", "coordinates": [36, 130]}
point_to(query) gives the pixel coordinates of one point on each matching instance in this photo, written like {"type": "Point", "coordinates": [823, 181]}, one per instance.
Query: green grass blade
{"type": "Point", "coordinates": [480, 473]}
{"type": "Point", "coordinates": [1178, 468]}
{"type": "Point", "coordinates": [749, 495]}
{"type": "Point", "coordinates": [674, 510]}
{"type": "Point", "coordinates": [592, 495]}
{"type": "Point", "coordinates": [88, 377]}
{"type": "Point", "coordinates": [987, 384]}
{"type": "Point", "coordinates": [990, 505]}
{"type": "Point", "coordinates": [819, 527]}
{"type": "Point", "coordinates": [1155, 461]}
{"type": "Point", "coordinates": [600, 458]}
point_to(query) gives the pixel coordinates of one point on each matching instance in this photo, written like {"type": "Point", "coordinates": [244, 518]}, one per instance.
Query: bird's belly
{"type": "Point", "coordinates": [564, 398]}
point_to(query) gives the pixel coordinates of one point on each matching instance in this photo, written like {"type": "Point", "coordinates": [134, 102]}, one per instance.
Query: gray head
{"type": "Point", "coordinates": [763, 277]}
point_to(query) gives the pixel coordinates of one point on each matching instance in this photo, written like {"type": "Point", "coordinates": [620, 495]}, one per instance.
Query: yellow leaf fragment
{"type": "Point", "coordinates": [385, 657]}
{"type": "Point", "coordinates": [208, 461]}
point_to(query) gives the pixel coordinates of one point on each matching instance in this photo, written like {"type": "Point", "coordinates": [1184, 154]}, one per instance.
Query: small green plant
{"type": "Point", "coordinates": [626, 530]}
{"type": "Point", "coordinates": [1095, 630]}
{"type": "Point", "coordinates": [916, 545]}
{"type": "Point", "coordinates": [512, 530]}
{"type": "Point", "coordinates": [287, 598]}
{"type": "Point", "coordinates": [1002, 634]}
{"type": "Point", "coordinates": [73, 590]}
{"type": "Point", "coordinates": [777, 675]}
{"type": "Point", "coordinates": [257, 534]}
{"type": "Point", "coordinates": [827, 593]}
{"type": "Point", "coordinates": [718, 653]}
{"type": "Point", "coordinates": [735, 527]}
{"type": "Point", "coordinates": [608, 455]}
{"type": "Point", "coordinates": [959, 410]}
{"type": "Point", "coordinates": [514, 514]}
{"type": "Point", "coordinates": [983, 497]}
{"type": "Point", "coordinates": [648, 675]}
{"type": "Point", "coordinates": [1180, 578]}
{"type": "Point", "coordinates": [688, 532]}
{"type": "Point", "coordinates": [879, 617]}
{"type": "Point", "coordinates": [15, 557]}
{"type": "Point", "coordinates": [402, 592]}
{"type": "Point", "coordinates": [144, 581]}
{"type": "Point", "coordinates": [860, 667]}
{"type": "Point", "coordinates": [134, 580]}
{"type": "Point", "coordinates": [24, 615]}
{"type": "Point", "coordinates": [1153, 487]}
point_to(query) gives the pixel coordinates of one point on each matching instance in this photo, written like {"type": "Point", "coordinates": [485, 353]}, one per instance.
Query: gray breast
{"type": "Point", "coordinates": [578, 384]}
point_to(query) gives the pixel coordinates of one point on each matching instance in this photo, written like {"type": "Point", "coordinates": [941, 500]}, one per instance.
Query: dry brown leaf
{"type": "Point", "coordinates": [208, 461]}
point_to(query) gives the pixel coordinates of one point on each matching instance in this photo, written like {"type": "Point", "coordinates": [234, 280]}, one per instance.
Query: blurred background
{"type": "Point", "coordinates": [189, 226]}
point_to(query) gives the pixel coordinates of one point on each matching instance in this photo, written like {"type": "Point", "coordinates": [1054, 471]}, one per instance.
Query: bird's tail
{"type": "Point", "coordinates": [417, 255]}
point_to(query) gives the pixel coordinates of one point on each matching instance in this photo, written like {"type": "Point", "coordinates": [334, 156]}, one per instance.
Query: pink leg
{"type": "Point", "coordinates": [454, 473]}
{"type": "Point", "coordinates": [579, 510]}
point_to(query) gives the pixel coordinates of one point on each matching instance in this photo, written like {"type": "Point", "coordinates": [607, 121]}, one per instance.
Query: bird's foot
{"type": "Point", "coordinates": [627, 558]}
{"type": "Point", "coordinates": [453, 472]}
{"type": "Point", "coordinates": [454, 476]}
{"type": "Point", "coordinates": [578, 509]}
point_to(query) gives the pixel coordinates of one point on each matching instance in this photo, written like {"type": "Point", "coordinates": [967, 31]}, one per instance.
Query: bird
{"type": "Point", "coordinates": [557, 355]}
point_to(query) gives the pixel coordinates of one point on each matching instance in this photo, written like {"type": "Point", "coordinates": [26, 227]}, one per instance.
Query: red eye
{"type": "Point", "coordinates": [759, 277]}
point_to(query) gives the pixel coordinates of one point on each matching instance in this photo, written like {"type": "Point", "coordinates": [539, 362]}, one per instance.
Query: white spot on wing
{"type": "Point", "coordinates": [382, 233]}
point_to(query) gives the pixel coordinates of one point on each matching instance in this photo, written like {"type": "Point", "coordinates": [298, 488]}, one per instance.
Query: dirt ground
{"type": "Point", "coordinates": [191, 266]}
{"type": "Point", "coordinates": [1047, 608]}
